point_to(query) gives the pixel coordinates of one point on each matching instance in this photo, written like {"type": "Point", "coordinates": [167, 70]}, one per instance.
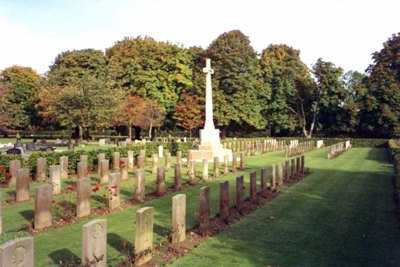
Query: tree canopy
{"type": "Point", "coordinates": [142, 83]}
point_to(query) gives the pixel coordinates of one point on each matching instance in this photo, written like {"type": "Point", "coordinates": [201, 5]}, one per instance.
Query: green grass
{"type": "Point", "coordinates": [342, 214]}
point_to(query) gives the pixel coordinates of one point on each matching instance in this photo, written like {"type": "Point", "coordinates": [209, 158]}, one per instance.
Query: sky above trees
{"type": "Point", "coordinates": [345, 32]}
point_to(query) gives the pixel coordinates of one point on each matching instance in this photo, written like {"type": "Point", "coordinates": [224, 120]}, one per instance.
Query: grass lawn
{"type": "Point", "coordinates": [342, 214]}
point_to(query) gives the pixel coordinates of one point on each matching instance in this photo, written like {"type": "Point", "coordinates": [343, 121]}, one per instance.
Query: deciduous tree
{"type": "Point", "coordinates": [23, 84]}
{"type": "Point", "coordinates": [188, 113]}
{"type": "Point", "coordinates": [380, 114]}
{"type": "Point", "coordinates": [238, 91]}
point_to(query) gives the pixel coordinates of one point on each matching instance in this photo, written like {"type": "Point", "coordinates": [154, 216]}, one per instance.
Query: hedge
{"type": "Point", "coordinates": [52, 158]}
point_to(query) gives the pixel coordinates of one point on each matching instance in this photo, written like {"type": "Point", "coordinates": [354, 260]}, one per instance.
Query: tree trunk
{"type": "Point", "coordinates": [80, 133]}
{"type": "Point", "coordinates": [130, 131]}
{"type": "Point", "coordinates": [137, 132]}
{"type": "Point", "coordinates": [154, 135]}
{"type": "Point", "coordinates": [150, 129]}
{"type": "Point", "coordinates": [223, 132]}
{"type": "Point", "coordinates": [69, 134]}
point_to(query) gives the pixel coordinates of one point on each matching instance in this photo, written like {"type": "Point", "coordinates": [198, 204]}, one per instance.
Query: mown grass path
{"type": "Point", "coordinates": [341, 215]}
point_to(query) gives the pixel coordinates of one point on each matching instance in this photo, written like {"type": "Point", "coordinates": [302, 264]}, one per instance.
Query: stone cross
{"type": "Point", "coordinates": [94, 243]}
{"type": "Point", "coordinates": [209, 124]}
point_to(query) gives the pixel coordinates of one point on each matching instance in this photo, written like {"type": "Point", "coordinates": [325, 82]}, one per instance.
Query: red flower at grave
{"type": "Point", "coordinates": [8, 174]}
{"type": "Point", "coordinates": [2, 169]}
{"type": "Point", "coordinates": [95, 189]}
{"type": "Point", "coordinates": [53, 201]}
{"type": "Point", "coordinates": [122, 164]}
{"type": "Point", "coordinates": [114, 186]}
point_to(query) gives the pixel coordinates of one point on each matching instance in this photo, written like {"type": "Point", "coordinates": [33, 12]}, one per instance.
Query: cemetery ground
{"type": "Point", "coordinates": [343, 213]}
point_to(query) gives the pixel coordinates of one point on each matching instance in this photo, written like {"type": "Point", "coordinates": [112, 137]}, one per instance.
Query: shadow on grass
{"type": "Point", "coordinates": [29, 215]}
{"type": "Point", "coordinates": [65, 257]}
{"type": "Point", "coordinates": [161, 231]}
{"type": "Point", "coordinates": [118, 242]}
{"type": "Point", "coordinates": [97, 198]}
{"type": "Point", "coordinates": [126, 193]}
{"type": "Point", "coordinates": [11, 195]}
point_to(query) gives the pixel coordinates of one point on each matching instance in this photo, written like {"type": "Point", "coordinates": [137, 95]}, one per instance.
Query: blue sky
{"type": "Point", "coordinates": [345, 32]}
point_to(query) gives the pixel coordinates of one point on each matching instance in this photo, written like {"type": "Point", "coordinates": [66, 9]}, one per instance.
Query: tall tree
{"type": "Point", "coordinates": [349, 121]}
{"type": "Point", "coordinates": [381, 106]}
{"type": "Point", "coordinates": [77, 92]}
{"type": "Point", "coordinates": [128, 112]}
{"type": "Point", "coordinates": [329, 95]}
{"type": "Point", "coordinates": [23, 83]}
{"type": "Point", "coordinates": [238, 91]}
{"type": "Point", "coordinates": [150, 69]}
{"type": "Point", "coordinates": [291, 85]}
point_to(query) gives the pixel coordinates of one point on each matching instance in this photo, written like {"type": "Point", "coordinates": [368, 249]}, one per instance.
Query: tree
{"type": "Point", "coordinates": [291, 85]}
{"type": "Point", "coordinates": [128, 112]}
{"type": "Point", "coordinates": [151, 117]}
{"type": "Point", "coordinates": [329, 95]}
{"type": "Point", "coordinates": [5, 106]}
{"type": "Point", "coordinates": [188, 113]}
{"type": "Point", "coordinates": [77, 92]}
{"type": "Point", "coordinates": [238, 91]}
{"type": "Point", "coordinates": [349, 121]}
{"type": "Point", "coordinates": [153, 70]}
{"type": "Point", "coordinates": [23, 83]}
{"type": "Point", "coordinates": [380, 114]}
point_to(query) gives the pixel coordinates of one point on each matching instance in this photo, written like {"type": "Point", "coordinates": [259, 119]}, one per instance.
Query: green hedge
{"type": "Point", "coordinates": [52, 158]}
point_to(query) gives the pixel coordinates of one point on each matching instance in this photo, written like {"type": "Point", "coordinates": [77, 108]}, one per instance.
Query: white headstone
{"type": "Point", "coordinates": [160, 151]}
